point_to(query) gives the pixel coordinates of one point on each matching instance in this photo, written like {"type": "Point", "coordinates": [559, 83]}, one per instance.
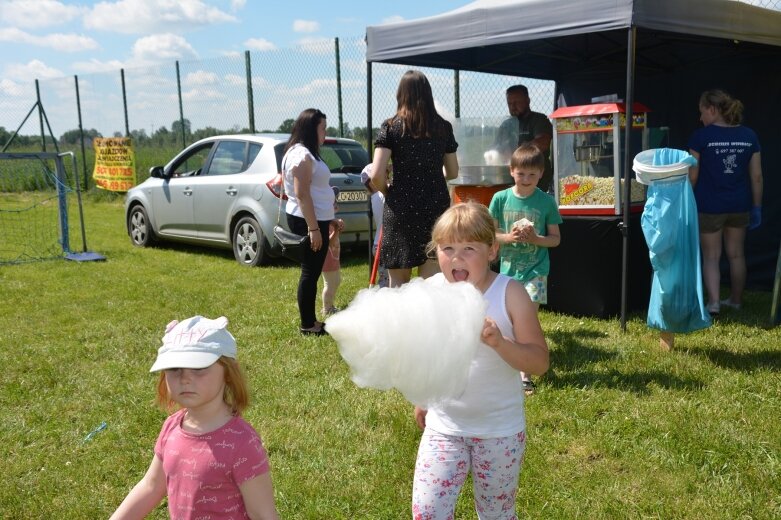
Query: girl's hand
{"type": "Point", "coordinates": [315, 239]}
{"type": "Point", "coordinates": [420, 417]}
{"type": "Point", "coordinates": [491, 335]}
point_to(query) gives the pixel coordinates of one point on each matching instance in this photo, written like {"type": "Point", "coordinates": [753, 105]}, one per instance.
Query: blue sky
{"type": "Point", "coordinates": [46, 39]}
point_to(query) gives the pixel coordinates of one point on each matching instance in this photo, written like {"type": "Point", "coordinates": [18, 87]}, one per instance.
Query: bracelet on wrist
{"type": "Point", "coordinates": [315, 229]}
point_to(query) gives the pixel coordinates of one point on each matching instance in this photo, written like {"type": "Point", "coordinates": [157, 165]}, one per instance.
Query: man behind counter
{"type": "Point", "coordinates": [525, 126]}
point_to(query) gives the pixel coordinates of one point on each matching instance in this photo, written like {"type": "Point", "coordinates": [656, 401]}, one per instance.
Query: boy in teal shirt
{"type": "Point", "coordinates": [528, 225]}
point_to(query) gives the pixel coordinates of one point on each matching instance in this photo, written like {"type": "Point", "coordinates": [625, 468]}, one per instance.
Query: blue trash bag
{"type": "Point", "coordinates": [670, 227]}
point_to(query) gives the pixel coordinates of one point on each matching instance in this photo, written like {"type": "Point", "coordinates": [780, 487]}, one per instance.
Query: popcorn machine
{"type": "Point", "coordinates": [588, 149]}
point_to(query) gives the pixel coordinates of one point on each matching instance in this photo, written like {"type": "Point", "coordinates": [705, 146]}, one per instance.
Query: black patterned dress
{"type": "Point", "coordinates": [418, 194]}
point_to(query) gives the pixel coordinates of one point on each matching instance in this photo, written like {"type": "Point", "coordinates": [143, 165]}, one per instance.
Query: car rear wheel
{"type": "Point", "coordinates": [139, 228]}
{"type": "Point", "coordinates": [249, 243]}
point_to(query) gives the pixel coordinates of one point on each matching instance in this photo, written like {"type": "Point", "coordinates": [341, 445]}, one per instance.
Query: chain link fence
{"type": "Point", "coordinates": [165, 107]}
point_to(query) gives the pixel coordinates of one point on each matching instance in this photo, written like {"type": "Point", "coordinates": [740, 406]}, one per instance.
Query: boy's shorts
{"type": "Point", "coordinates": [537, 289]}
{"type": "Point", "coordinates": [713, 222]}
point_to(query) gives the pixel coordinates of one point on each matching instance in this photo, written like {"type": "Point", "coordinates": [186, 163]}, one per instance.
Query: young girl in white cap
{"type": "Point", "coordinates": [208, 460]}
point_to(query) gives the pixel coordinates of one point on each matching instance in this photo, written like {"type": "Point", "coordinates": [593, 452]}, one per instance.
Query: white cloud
{"type": "Point", "coordinates": [312, 87]}
{"type": "Point", "coordinates": [57, 41]}
{"type": "Point", "coordinates": [32, 70]}
{"type": "Point", "coordinates": [201, 95]}
{"type": "Point", "coordinates": [392, 19]}
{"type": "Point", "coordinates": [259, 44]}
{"type": "Point", "coordinates": [13, 89]}
{"type": "Point", "coordinates": [93, 66]}
{"type": "Point", "coordinates": [316, 45]}
{"type": "Point", "coordinates": [37, 13]}
{"type": "Point", "coordinates": [145, 16]}
{"type": "Point", "coordinates": [161, 48]}
{"type": "Point", "coordinates": [305, 26]}
{"type": "Point", "coordinates": [235, 80]}
{"type": "Point", "coordinates": [200, 77]}
{"type": "Point", "coordinates": [238, 5]}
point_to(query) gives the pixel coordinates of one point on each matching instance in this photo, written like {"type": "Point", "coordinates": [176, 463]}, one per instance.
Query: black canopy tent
{"type": "Point", "coordinates": [661, 52]}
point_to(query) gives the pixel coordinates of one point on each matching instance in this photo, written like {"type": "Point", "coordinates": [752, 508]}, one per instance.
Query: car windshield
{"type": "Point", "coordinates": [340, 157]}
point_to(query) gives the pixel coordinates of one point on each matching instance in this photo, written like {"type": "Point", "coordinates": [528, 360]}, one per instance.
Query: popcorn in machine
{"type": "Point", "coordinates": [588, 148]}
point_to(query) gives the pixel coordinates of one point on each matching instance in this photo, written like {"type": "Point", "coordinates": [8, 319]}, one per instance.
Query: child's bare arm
{"type": "Point", "coordinates": [145, 496]}
{"type": "Point", "coordinates": [529, 351]}
{"type": "Point", "coordinates": [258, 496]}
{"type": "Point", "coordinates": [552, 239]}
{"type": "Point", "coordinates": [506, 237]}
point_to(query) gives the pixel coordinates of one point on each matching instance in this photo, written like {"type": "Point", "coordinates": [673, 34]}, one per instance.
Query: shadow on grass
{"type": "Point", "coordinates": [215, 252]}
{"type": "Point", "coordinates": [574, 356]}
{"type": "Point", "coordinates": [572, 349]}
{"type": "Point", "coordinates": [743, 361]}
{"type": "Point", "coordinates": [639, 382]}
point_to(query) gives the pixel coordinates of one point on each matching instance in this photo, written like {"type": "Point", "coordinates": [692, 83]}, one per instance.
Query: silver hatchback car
{"type": "Point", "coordinates": [224, 191]}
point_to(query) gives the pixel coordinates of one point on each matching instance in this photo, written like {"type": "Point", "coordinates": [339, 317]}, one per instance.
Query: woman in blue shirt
{"type": "Point", "coordinates": [727, 183]}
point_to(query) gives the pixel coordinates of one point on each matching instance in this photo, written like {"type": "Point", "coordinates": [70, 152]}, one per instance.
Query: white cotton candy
{"type": "Point", "coordinates": [419, 338]}
{"type": "Point", "coordinates": [494, 158]}
{"type": "Point", "coordinates": [522, 223]}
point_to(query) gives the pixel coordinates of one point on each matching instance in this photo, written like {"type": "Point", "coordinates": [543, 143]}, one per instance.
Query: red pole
{"type": "Point", "coordinates": [376, 264]}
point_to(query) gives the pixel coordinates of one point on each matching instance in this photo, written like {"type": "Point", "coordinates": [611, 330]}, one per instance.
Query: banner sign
{"type": "Point", "coordinates": [115, 163]}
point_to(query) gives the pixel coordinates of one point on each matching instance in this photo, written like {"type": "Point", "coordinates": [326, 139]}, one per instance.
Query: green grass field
{"type": "Point", "coordinates": [617, 429]}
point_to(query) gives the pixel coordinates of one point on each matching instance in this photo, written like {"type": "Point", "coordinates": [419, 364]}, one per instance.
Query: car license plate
{"type": "Point", "coordinates": [353, 196]}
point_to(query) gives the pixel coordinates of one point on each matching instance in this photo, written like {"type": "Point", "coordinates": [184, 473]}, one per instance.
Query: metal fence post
{"type": "Point", "coordinates": [124, 103]}
{"type": "Point", "coordinates": [457, 92]}
{"type": "Point", "coordinates": [81, 135]}
{"type": "Point", "coordinates": [40, 115]}
{"type": "Point", "coordinates": [181, 108]}
{"type": "Point", "coordinates": [339, 88]}
{"type": "Point", "coordinates": [250, 99]}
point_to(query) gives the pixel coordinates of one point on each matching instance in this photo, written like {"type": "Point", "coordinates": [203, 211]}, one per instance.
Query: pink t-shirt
{"type": "Point", "coordinates": [203, 472]}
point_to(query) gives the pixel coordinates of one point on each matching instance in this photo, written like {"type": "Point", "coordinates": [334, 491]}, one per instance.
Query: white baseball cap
{"type": "Point", "coordinates": [196, 342]}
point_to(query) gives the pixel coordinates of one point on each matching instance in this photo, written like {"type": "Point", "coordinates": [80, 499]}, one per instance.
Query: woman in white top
{"type": "Point", "coordinates": [310, 207]}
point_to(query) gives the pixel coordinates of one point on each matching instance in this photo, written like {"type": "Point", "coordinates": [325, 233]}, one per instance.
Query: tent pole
{"type": "Point", "coordinates": [369, 148]}
{"type": "Point", "coordinates": [628, 157]}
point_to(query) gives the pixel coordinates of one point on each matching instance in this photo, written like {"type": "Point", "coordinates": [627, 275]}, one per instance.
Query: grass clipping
{"type": "Point", "coordinates": [419, 338]}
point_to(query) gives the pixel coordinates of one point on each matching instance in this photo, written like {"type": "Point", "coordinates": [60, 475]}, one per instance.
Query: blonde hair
{"type": "Point", "coordinates": [236, 394]}
{"type": "Point", "coordinates": [731, 109]}
{"type": "Point", "coordinates": [529, 156]}
{"type": "Point", "coordinates": [463, 222]}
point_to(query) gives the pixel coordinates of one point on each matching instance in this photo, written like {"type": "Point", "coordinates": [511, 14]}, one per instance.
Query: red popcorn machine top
{"type": "Point", "coordinates": [588, 151]}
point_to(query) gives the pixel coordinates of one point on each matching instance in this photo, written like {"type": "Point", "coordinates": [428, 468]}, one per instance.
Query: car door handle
{"type": "Point", "coordinates": [188, 191]}
{"type": "Point", "coordinates": [231, 191]}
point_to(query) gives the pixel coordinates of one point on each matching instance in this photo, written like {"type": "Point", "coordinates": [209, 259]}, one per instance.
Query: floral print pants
{"type": "Point", "coordinates": [443, 463]}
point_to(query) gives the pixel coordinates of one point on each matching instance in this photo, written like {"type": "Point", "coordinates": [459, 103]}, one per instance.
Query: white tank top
{"type": "Point", "coordinates": [492, 404]}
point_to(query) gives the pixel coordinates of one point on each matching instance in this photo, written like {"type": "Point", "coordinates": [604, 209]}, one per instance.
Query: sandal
{"type": "Point", "coordinates": [331, 310]}
{"type": "Point", "coordinates": [318, 329]}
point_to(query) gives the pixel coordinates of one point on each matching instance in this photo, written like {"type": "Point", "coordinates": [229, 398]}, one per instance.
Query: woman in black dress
{"type": "Point", "coordinates": [421, 146]}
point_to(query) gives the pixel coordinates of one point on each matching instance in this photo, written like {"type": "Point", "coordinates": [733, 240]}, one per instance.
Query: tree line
{"type": "Point", "coordinates": [165, 137]}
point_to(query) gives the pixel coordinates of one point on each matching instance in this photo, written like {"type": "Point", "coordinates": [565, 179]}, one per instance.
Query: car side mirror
{"type": "Point", "coordinates": [156, 171]}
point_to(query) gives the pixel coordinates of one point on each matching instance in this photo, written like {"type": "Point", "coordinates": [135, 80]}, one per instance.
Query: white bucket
{"type": "Point", "coordinates": [675, 163]}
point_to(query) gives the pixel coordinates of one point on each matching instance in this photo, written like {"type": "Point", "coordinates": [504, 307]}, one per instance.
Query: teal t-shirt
{"type": "Point", "coordinates": [524, 261]}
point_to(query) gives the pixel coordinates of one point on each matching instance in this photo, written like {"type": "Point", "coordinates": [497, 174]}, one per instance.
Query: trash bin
{"type": "Point", "coordinates": [661, 163]}
{"type": "Point", "coordinates": [671, 231]}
